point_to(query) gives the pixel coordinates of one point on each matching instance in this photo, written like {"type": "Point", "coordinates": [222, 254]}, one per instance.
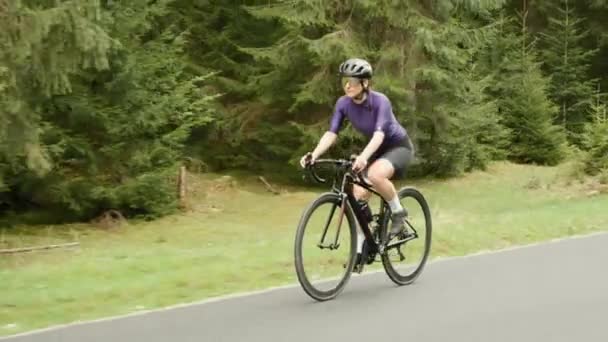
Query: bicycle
{"type": "Point", "coordinates": [374, 227]}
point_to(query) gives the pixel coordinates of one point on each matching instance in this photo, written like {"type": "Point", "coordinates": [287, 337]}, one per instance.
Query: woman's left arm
{"type": "Point", "coordinates": [373, 145]}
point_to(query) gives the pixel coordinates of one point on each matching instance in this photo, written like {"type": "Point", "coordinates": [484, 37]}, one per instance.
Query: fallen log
{"type": "Point", "coordinates": [268, 186]}
{"type": "Point", "coordinates": [37, 248]}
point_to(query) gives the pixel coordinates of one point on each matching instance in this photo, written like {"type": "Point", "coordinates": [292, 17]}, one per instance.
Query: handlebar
{"type": "Point", "coordinates": [339, 163]}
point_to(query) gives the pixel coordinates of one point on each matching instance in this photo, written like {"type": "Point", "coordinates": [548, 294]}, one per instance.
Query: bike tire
{"type": "Point", "coordinates": [307, 285]}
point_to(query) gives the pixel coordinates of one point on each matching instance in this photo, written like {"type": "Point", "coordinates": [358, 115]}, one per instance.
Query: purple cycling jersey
{"type": "Point", "coordinates": [374, 114]}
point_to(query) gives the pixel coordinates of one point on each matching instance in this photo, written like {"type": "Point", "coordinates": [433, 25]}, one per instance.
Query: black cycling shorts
{"type": "Point", "coordinates": [400, 156]}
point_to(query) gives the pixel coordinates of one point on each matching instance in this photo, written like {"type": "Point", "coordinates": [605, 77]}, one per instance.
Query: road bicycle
{"type": "Point", "coordinates": [316, 236]}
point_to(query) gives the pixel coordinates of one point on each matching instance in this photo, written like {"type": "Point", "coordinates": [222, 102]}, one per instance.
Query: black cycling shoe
{"type": "Point", "coordinates": [358, 264]}
{"type": "Point", "coordinates": [358, 268]}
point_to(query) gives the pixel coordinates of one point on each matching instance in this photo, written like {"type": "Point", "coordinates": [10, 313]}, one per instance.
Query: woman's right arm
{"type": "Point", "coordinates": [327, 140]}
{"type": "Point", "coordinates": [330, 137]}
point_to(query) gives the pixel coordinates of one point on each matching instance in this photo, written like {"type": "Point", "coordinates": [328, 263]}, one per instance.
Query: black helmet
{"type": "Point", "coordinates": [356, 67]}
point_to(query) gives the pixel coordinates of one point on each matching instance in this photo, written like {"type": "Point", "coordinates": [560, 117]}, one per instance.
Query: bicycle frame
{"type": "Point", "coordinates": [345, 191]}
{"type": "Point", "coordinates": [378, 240]}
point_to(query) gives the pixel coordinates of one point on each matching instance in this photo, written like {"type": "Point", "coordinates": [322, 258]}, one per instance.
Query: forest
{"type": "Point", "coordinates": [101, 101]}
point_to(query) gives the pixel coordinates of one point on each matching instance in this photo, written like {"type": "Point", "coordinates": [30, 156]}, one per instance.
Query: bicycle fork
{"type": "Point", "coordinates": [335, 244]}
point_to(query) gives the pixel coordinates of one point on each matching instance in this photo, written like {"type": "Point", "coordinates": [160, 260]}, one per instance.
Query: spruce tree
{"type": "Point", "coordinates": [42, 45]}
{"type": "Point", "coordinates": [596, 138]}
{"type": "Point", "coordinates": [422, 58]}
{"type": "Point", "coordinates": [523, 101]}
{"type": "Point", "coordinates": [116, 136]}
{"type": "Point", "coordinates": [247, 132]}
{"type": "Point", "coordinates": [568, 62]}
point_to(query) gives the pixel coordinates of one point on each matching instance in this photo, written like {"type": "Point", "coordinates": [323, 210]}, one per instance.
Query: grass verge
{"type": "Point", "coordinates": [241, 238]}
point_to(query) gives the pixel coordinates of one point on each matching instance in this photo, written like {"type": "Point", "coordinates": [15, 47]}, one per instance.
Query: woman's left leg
{"type": "Point", "coordinates": [380, 174]}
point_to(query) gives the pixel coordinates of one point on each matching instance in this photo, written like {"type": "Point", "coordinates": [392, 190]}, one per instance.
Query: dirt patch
{"type": "Point", "coordinates": [110, 219]}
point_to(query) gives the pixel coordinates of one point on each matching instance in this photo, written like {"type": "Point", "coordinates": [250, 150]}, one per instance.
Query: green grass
{"type": "Point", "coordinates": [235, 240]}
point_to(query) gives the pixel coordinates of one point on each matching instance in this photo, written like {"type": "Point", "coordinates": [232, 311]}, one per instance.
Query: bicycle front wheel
{"type": "Point", "coordinates": [404, 259]}
{"type": "Point", "coordinates": [325, 247]}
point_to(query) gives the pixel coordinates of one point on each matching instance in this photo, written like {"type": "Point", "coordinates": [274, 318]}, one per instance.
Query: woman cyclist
{"type": "Point", "coordinates": [389, 150]}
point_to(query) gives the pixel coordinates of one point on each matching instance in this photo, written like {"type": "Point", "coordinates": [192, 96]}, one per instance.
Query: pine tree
{"type": "Point", "coordinates": [4, 123]}
{"type": "Point", "coordinates": [596, 138]}
{"type": "Point", "coordinates": [41, 46]}
{"type": "Point", "coordinates": [595, 12]}
{"type": "Point", "coordinates": [523, 99]}
{"type": "Point", "coordinates": [568, 63]}
{"type": "Point", "coordinates": [126, 129]}
{"type": "Point", "coordinates": [116, 136]}
{"type": "Point", "coordinates": [460, 127]}
{"type": "Point", "coordinates": [417, 53]}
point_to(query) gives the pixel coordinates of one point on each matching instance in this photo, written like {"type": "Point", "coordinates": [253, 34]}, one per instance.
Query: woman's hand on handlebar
{"type": "Point", "coordinates": [359, 164]}
{"type": "Point", "coordinates": [307, 159]}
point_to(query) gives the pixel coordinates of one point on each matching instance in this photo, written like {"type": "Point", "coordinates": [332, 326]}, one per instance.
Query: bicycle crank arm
{"type": "Point", "coordinates": [401, 242]}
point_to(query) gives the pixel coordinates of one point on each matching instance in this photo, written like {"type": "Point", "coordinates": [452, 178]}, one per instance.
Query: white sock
{"type": "Point", "coordinates": [360, 240]}
{"type": "Point", "coordinates": [395, 205]}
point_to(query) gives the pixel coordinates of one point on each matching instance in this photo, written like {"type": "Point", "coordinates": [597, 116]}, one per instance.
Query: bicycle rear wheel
{"type": "Point", "coordinates": [404, 259]}
{"type": "Point", "coordinates": [325, 247]}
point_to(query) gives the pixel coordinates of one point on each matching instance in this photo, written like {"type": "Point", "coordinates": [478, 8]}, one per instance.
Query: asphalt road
{"type": "Point", "coordinates": [550, 292]}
